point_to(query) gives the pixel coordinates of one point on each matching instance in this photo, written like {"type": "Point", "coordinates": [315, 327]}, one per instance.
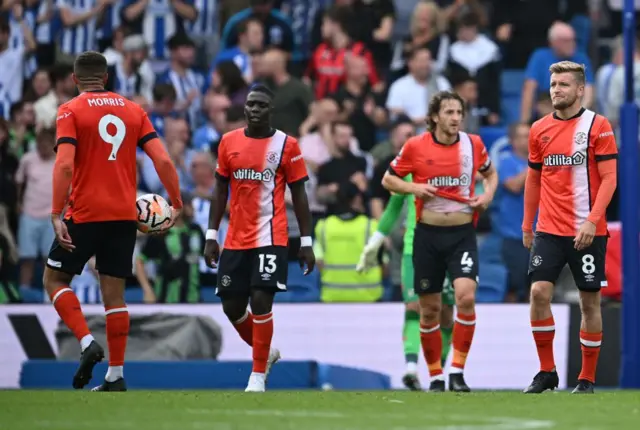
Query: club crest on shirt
{"type": "Point", "coordinates": [272, 157]}
{"type": "Point", "coordinates": [580, 138]}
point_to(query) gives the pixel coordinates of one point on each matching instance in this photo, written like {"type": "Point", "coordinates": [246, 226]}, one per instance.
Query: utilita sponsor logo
{"type": "Point", "coordinates": [449, 181]}
{"type": "Point", "coordinates": [556, 160]}
{"type": "Point", "coordinates": [252, 175]}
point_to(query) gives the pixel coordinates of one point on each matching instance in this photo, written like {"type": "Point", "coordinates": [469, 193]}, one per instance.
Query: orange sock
{"type": "Point", "coordinates": [262, 334]}
{"type": "Point", "coordinates": [431, 340]}
{"type": "Point", "coordinates": [543, 333]}
{"type": "Point", "coordinates": [117, 333]}
{"type": "Point", "coordinates": [590, 346]}
{"type": "Point", "coordinates": [463, 329]}
{"type": "Point", "coordinates": [244, 327]}
{"type": "Point", "coordinates": [68, 307]}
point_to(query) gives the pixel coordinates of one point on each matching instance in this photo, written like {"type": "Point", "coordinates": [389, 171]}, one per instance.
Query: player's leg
{"type": "Point", "coordinates": [411, 327]}
{"type": "Point", "coordinates": [446, 317]}
{"type": "Point", "coordinates": [114, 263]}
{"type": "Point", "coordinates": [269, 276]}
{"type": "Point", "coordinates": [430, 269]}
{"type": "Point", "coordinates": [462, 265]}
{"type": "Point", "coordinates": [61, 266]}
{"type": "Point", "coordinates": [546, 263]}
{"type": "Point", "coordinates": [233, 287]}
{"type": "Point", "coordinates": [588, 269]}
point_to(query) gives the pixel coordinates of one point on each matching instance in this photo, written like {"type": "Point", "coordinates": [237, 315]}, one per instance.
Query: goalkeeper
{"type": "Point", "coordinates": [411, 330]}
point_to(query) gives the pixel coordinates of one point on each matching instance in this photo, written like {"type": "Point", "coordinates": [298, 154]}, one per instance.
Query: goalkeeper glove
{"type": "Point", "coordinates": [369, 256]}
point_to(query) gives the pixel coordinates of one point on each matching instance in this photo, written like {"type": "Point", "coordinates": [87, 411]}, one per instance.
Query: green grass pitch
{"type": "Point", "coordinates": [313, 410]}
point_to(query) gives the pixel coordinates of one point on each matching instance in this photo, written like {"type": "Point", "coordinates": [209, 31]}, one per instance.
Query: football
{"type": "Point", "coordinates": [154, 212]}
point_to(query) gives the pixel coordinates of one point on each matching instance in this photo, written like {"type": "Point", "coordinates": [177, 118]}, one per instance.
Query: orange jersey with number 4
{"type": "Point", "coordinates": [106, 129]}
{"type": "Point", "coordinates": [567, 153]}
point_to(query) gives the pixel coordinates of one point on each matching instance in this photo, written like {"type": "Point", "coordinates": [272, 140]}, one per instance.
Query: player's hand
{"type": "Point", "coordinates": [481, 203]}
{"type": "Point", "coordinates": [308, 258]}
{"type": "Point", "coordinates": [368, 258]}
{"type": "Point", "coordinates": [62, 233]}
{"type": "Point", "coordinates": [424, 191]}
{"type": "Point", "coordinates": [527, 239]}
{"type": "Point", "coordinates": [149, 296]}
{"type": "Point", "coordinates": [175, 213]}
{"type": "Point", "coordinates": [211, 253]}
{"type": "Point", "coordinates": [585, 236]}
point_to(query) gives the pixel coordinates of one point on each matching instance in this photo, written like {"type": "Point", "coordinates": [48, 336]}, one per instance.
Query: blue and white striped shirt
{"type": "Point", "coordinates": [16, 38]}
{"type": "Point", "coordinates": [301, 15]}
{"type": "Point", "coordinates": [206, 24]}
{"type": "Point", "coordinates": [11, 77]}
{"type": "Point", "coordinates": [82, 37]}
{"type": "Point", "coordinates": [111, 20]}
{"type": "Point", "coordinates": [183, 86]}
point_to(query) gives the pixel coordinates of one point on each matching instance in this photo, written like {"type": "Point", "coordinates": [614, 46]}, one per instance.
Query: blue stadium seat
{"type": "Point", "coordinates": [510, 109]}
{"type": "Point", "coordinates": [300, 288]}
{"type": "Point", "coordinates": [493, 283]}
{"type": "Point", "coordinates": [490, 134]}
{"type": "Point", "coordinates": [133, 295]}
{"type": "Point", "coordinates": [511, 82]}
{"type": "Point", "coordinates": [208, 294]}
{"type": "Point", "coordinates": [490, 250]}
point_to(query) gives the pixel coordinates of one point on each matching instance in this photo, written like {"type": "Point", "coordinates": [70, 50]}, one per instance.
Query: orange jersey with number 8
{"type": "Point", "coordinates": [106, 129]}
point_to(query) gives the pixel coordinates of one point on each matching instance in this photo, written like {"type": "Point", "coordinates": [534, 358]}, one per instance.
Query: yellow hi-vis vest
{"type": "Point", "coordinates": [341, 242]}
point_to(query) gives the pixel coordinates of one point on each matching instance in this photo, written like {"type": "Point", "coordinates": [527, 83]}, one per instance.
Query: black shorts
{"type": "Point", "coordinates": [240, 270]}
{"type": "Point", "coordinates": [550, 253]}
{"type": "Point", "coordinates": [438, 250]}
{"type": "Point", "coordinates": [112, 243]}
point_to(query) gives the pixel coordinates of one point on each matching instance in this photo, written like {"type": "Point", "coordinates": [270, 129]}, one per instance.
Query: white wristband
{"type": "Point", "coordinates": [305, 241]}
{"type": "Point", "coordinates": [211, 234]}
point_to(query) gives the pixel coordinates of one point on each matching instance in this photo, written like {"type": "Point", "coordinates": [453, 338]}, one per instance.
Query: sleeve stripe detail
{"type": "Point", "coordinates": [299, 181]}
{"type": "Point", "coordinates": [70, 140]}
{"type": "Point", "coordinates": [147, 138]}
{"type": "Point", "coordinates": [485, 167]}
{"type": "Point", "coordinates": [605, 157]}
{"type": "Point", "coordinates": [221, 177]}
{"type": "Point", "coordinates": [535, 166]}
{"type": "Point", "coordinates": [393, 172]}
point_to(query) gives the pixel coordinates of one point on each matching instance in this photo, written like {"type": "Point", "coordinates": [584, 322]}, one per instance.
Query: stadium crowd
{"type": "Point", "coordinates": [351, 78]}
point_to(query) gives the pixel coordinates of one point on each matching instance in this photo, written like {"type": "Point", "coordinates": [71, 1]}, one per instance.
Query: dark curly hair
{"type": "Point", "coordinates": [436, 103]}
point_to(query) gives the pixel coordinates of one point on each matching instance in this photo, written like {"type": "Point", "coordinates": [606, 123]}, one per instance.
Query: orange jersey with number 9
{"type": "Point", "coordinates": [105, 128]}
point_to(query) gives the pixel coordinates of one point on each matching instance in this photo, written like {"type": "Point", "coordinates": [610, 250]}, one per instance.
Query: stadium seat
{"type": "Point", "coordinates": [491, 134]}
{"type": "Point", "coordinates": [208, 294]}
{"type": "Point", "coordinates": [490, 250]}
{"type": "Point", "coordinates": [133, 295]}
{"type": "Point", "coordinates": [300, 288]}
{"type": "Point", "coordinates": [510, 109]}
{"type": "Point", "coordinates": [511, 82]}
{"type": "Point", "coordinates": [493, 283]}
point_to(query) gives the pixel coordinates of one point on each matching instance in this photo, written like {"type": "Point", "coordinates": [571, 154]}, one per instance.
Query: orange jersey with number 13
{"type": "Point", "coordinates": [106, 128]}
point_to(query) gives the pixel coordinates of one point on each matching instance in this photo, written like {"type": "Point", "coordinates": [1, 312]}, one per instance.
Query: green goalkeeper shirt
{"type": "Point", "coordinates": [392, 213]}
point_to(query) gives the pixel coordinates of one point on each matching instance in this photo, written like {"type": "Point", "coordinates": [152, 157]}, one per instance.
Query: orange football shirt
{"type": "Point", "coordinates": [258, 171]}
{"type": "Point", "coordinates": [105, 128]}
{"type": "Point", "coordinates": [567, 153]}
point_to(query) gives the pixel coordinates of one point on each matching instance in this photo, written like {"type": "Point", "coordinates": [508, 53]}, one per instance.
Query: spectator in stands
{"type": "Point", "coordinates": [8, 168]}
{"type": "Point", "coordinates": [164, 105]}
{"type": "Point", "coordinates": [234, 118]}
{"type": "Point", "coordinates": [108, 21]}
{"type": "Point", "coordinates": [359, 104]}
{"type": "Point", "coordinates": [79, 28]}
{"type": "Point", "coordinates": [227, 79]}
{"type": "Point", "coordinates": [315, 146]}
{"type": "Point", "coordinates": [292, 97]}
{"type": "Point", "coordinates": [8, 259]}
{"type": "Point", "coordinates": [159, 22]}
{"type": "Point", "coordinates": [250, 40]}
{"type": "Point", "coordinates": [34, 180]}
{"type": "Point", "coordinates": [604, 77]}
{"type": "Point", "coordinates": [544, 106]}
{"type": "Point", "coordinates": [343, 167]}
{"type": "Point", "coordinates": [477, 55]}
{"type": "Point", "coordinates": [215, 106]}
{"type": "Point", "coordinates": [326, 69]}
{"type": "Point", "coordinates": [340, 238]}
{"type": "Point", "coordinates": [12, 64]}
{"type": "Point", "coordinates": [176, 255]}
{"type": "Point", "coordinates": [410, 94]}
{"type": "Point", "coordinates": [205, 31]}
{"type": "Point", "coordinates": [452, 10]}
{"type": "Point", "coordinates": [562, 46]}
{"type": "Point", "coordinates": [277, 31]}
{"type": "Point", "coordinates": [426, 31]}
{"type": "Point", "coordinates": [47, 29]}
{"type": "Point", "coordinates": [615, 97]}
{"type": "Point", "coordinates": [39, 86]}
{"type": "Point", "coordinates": [126, 76]}
{"type": "Point", "coordinates": [513, 173]}
{"type": "Point", "coordinates": [64, 89]}
{"type": "Point", "coordinates": [113, 52]}
{"type": "Point", "coordinates": [185, 80]}
{"type": "Point", "coordinates": [22, 136]}
{"type": "Point", "coordinates": [476, 115]}
{"type": "Point", "coordinates": [372, 23]}
{"type": "Point", "coordinates": [401, 131]}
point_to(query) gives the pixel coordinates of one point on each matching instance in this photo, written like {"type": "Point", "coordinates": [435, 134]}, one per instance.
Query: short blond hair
{"type": "Point", "coordinates": [578, 70]}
